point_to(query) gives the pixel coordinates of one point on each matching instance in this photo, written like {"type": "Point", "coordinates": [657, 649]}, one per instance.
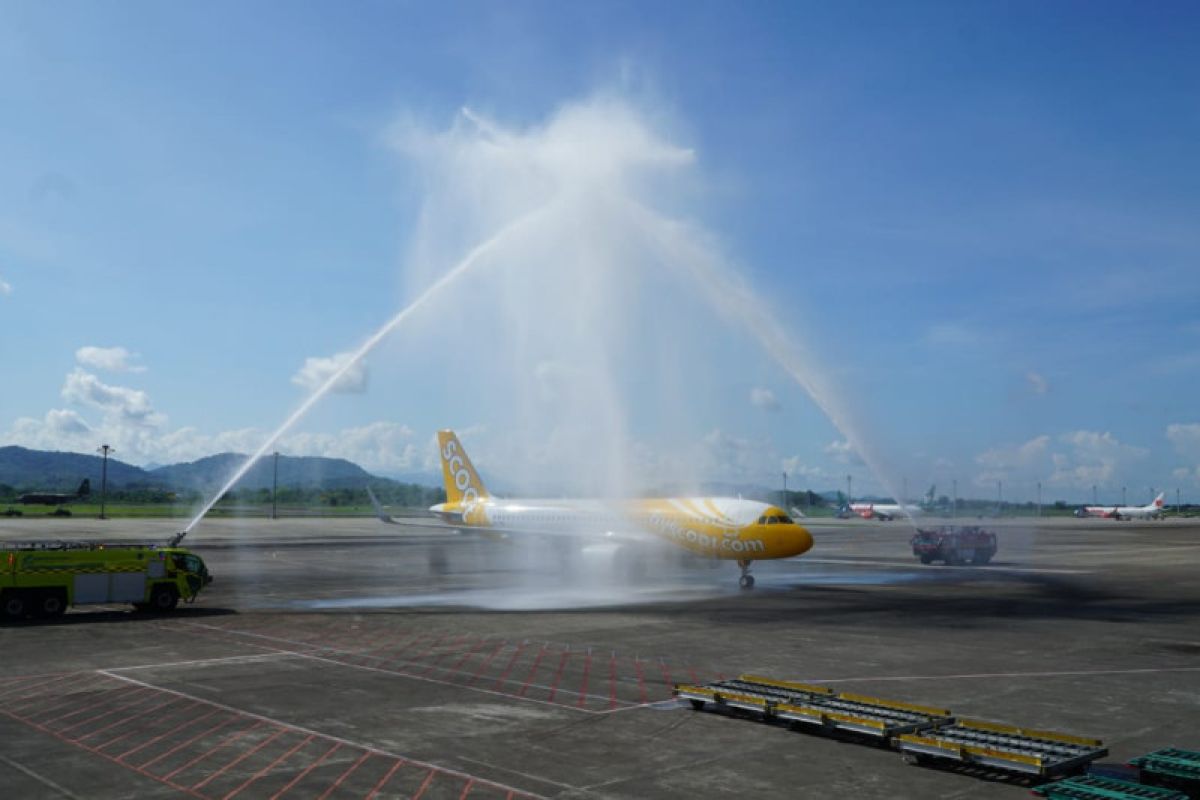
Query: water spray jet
{"type": "Point", "coordinates": [471, 259]}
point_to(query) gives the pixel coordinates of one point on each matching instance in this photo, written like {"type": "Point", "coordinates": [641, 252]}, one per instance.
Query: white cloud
{"type": "Point", "coordinates": [764, 399]}
{"type": "Point", "coordinates": [1092, 458]}
{"type": "Point", "coordinates": [1077, 459]}
{"type": "Point", "coordinates": [1037, 382]}
{"type": "Point", "coordinates": [110, 359]}
{"type": "Point", "coordinates": [379, 446]}
{"type": "Point", "coordinates": [1186, 439]}
{"type": "Point", "coordinates": [842, 452]}
{"type": "Point", "coordinates": [131, 405]}
{"type": "Point", "coordinates": [318, 369]}
{"type": "Point", "coordinates": [5, 287]}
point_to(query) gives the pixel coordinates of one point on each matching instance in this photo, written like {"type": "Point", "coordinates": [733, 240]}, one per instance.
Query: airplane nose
{"type": "Point", "coordinates": [803, 540]}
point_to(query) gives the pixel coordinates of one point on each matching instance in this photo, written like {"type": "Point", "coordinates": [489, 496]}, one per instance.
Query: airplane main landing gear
{"type": "Point", "coordinates": [747, 580]}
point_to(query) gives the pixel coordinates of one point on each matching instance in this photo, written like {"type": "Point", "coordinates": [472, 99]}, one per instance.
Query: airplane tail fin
{"type": "Point", "coordinates": [1158, 501]}
{"type": "Point", "coordinates": [379, 512]}
{"type": "Point", "coordinates": [930, 494]}
{"type": "Point", "coordinates": [85, 488]}
{"type": "Point", "coordinates": [462, 481]}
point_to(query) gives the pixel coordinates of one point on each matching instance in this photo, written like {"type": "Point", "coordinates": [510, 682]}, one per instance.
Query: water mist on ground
{"type": "Point", "coordinates": [602, 325]}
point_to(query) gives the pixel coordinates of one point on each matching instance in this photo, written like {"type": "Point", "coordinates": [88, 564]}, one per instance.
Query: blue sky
{"type": "Point", "coordinates": [979, 216]}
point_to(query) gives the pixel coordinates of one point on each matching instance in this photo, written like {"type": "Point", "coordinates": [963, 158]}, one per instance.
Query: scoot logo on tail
{"type": "Point", "coordinates": [462, 482]}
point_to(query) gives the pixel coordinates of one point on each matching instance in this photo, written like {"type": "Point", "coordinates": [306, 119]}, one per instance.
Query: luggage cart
{"type": "Point", "coordinates": [1171, 767]}
{"type": "Point", "coordinates": [1094, 787]}
{"type": "Point", "coordinates": [1004, 747]}
{"type": "Point", "coordinates": [814, 706]}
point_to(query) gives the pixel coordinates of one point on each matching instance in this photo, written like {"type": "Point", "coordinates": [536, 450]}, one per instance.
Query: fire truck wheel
{"type": "Point", "coordinates": [15, 605]}
{"type": "Point", "coordinates": [52, 603]}
{"type": "Point", "coordinates": [926, 559]}
{"type": "Point", "coordinates": [981, 558]}
{"type": "Point", "coordinates": [164, 598]}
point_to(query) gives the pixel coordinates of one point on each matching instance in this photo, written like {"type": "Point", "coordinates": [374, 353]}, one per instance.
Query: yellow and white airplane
{"type": "Point", "coordinates": [711, 527]}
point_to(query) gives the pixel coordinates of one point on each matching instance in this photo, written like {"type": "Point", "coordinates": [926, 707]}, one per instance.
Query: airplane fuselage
{"type": "Point", "coordinates": [714, 527]}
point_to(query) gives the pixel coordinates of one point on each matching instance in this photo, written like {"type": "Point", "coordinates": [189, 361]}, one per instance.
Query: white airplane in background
{"type": "Point", "coordinates": [710, 527]}
{"type": "Point", "coordinates": [889, 511]}
{"type": "Point", "coordinates": [1152, 510]}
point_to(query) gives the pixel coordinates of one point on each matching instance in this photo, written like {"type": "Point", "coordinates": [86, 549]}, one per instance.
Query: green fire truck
{"type": "Point", "coordinates": [42, 579]}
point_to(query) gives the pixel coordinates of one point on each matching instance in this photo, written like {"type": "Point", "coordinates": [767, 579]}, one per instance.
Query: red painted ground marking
{"type": "Point", "coordinates": [336, 746]}
{"type": "Point", "coordinates": [136, 729]}
{"type": "Point", "coordinates": [666, 674]}
{"type": "Point", "coordinates": [467, 789]}
{"type": "Point", "coordinates": [192, 740]}
{"type": "Point", "coordinates": [150, 695]}
{"type": "Point", "coordinates": [583, 686]}
{"type": "Point", "coordinates": [26, 686]}
{"type": "Point", "coordinates": [508, 668]}
{"type": "Point", "coordinates": [396, 643]}
{"type": "Point", "coordinates": [270, 766]}
{"type": "Point", "coordinates": [86, 709]}
{"type": "Point", "coordinates": [49, 732]}
{"type": "Point", "coordinates": [233, 737]}
{"type": "Point", "coordinates": [165, 734]}
{"type": "Point", "coordinates": [58, 704]}
{"type": "Point", "coordinates": [641, 680]}
{"type": "Point", "coordinates": [430, 648]}
{"type": "Point", "coordinates": [400, 656]}
{"type": "Point", "coordinates": [562, 663]}
{"type": "Point", "coordinates": [425, 784]}
{"type": "Point", "coordinates": [484, 665]}
{"type": "Point", "coordinates": [387, 777]}
{"type": "Point", "coordinates": [30, 701]}
{"type": "Point", "coordinates": [443, 656]}
{"type": "Point", "coordinates": [467, 655]}
{"type": "Point", "coordinates": [345, 775]}
{"type": "Point", "coordinates": [241, 758]}
{"type": "Point", "coordinates": [533, 670]}
{"type": "Point", "coordinates": [612, 680]}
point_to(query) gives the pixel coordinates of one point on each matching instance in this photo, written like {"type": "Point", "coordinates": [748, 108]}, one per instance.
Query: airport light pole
{"type": "Point", "coordinates": [275, 489]}
{"type": "Point", "coordinates": [1123, 500]}
{"type": "Point", "coordinates": [1177, 500]}
{"type": "Point", "coordinates": [1039, 498]}
{"type": "Point", "coordinates": [849, 493]}
{"type": "Point", "coordinates": [999, 496]}
{"type": "Point", "coordinates": [1095, 501]}
{"type": "Point", "coordinates": [104, 450]}
{"type": "Point", "coordinates": [785, 497]}
{"type": "Point", "coordinates": [954, 491]}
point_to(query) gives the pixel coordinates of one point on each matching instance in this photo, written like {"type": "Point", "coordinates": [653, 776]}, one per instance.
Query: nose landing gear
{"type": "Point", "coordinates": [747, 580]}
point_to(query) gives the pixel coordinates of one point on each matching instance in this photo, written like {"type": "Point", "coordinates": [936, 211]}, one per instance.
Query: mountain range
{"type": "Point", "coordinates": [54, 471]}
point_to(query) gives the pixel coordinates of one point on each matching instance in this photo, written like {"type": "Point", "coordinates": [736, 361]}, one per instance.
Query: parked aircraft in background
{"type": "Point", "coordinates": [888, 511]}
{"type": "Point", "coordinates": [711, 527]}
{"type": "Point", "coordinates": [52, 499]}
{"type": "Point", "coordinates": [1152, 510]}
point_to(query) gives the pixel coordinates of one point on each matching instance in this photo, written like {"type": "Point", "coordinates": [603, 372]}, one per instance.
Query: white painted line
{"type": "Point", "coordinates": [311, 732]}
{"type": "Point", "coordinates": [914, 565]}
{"type": "Point", "coordinates": [992, 675]}
{"type": "Point", "coordinates": [42, 779]}
{"type": "Point", "coordinates": [204, 662]}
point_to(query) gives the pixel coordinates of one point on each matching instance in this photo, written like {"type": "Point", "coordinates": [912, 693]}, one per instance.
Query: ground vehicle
{"type": "Point", "coordinates": [43, 578]}
{"type": "Point", "coordinates": [954, 545]}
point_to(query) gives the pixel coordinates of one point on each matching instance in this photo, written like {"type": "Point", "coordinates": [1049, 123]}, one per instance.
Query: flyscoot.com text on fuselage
{"type": "Point", "coordinates": [713, 527]}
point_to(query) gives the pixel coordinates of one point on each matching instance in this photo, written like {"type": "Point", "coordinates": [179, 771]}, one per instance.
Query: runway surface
{"type": "Point", "coordinates": [347, 658]}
